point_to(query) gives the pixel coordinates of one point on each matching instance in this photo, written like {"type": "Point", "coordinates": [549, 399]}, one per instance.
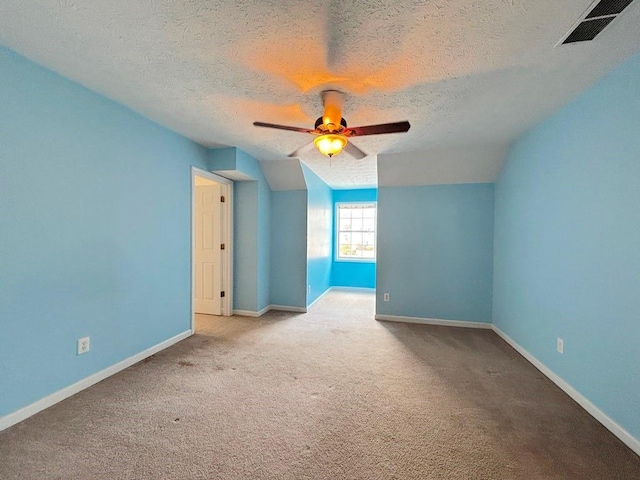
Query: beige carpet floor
{"type": "Point", "coordinates": [331, 394]}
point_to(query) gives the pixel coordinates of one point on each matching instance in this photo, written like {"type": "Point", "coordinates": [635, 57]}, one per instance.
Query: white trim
{"type": "Point", "coordinates": [434, 321]}
{"type": "Point", "coordinates": [227, 271]}
{"type": "Point", "coordinates": [353, 289]}
{"type": "Point", "coordinates": [227, 239]}
{"type": "Point", "coordinates": [354, 260]}
{"type": "Point", "coordinates": [629, 440]}
{"type": "Point", "coordinates": [287, 308]}
{"type": "Point", "coordinates": [50, 400]}
{"type": "Point", "coordinates": [211, 176]}
{"type": "Point", "coordinates": [281, 308]}
{"type": "Point", "coordinates": [252, 313]}
{"type": "Point", "coordinates": [319, 297]}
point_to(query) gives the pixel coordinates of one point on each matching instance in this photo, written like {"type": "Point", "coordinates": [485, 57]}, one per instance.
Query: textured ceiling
{"type": "Point", "coordinates": [462, 72]}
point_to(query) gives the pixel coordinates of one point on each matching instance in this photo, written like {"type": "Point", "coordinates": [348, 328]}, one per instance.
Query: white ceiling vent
{"type": "Point", "coordinates": [599, 15]}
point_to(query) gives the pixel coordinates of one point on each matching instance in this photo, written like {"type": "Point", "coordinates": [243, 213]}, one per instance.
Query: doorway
{"type": "Point", "coordinates": [211, 244]}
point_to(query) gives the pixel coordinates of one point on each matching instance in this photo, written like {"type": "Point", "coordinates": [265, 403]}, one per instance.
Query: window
{"type": "Point", "coordinates": [356, 231]}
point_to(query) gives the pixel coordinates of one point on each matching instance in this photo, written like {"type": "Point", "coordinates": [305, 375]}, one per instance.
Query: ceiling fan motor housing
{"type": "Point", "coordinates": [331, 128]}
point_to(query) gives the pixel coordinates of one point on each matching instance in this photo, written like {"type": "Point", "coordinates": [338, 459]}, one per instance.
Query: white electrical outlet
{"type": "Point", "coordinates": [84, 344]}
{"type": "Point", "coordinates": [560, 345]}
{"type": "Point", "coordinates": [385, 297]}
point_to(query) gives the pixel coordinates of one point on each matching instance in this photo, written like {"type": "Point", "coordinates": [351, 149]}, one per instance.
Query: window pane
{"type": "Point", "coordinates": [345, 224]}
{"type": "Point", "coordinates": [368, 239]}
{"type": "Point", "coordinates": [356, 240]}
{"type": "Point", "coordinates": [368, 225]}
{"type": "Point", "coordinates": [356, 212]}
{"type": "Point", "coordinates": [346, 250]}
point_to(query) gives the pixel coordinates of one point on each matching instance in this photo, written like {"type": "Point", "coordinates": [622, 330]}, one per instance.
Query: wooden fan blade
{"type": "Point", "coordinates": [354, 151]}
{"type": "Point", "coordinates": [396, 127]}
{"type": "Point", "coordinates": [302, 150]}
{"type": "Point", "coordinates": [282, 127]}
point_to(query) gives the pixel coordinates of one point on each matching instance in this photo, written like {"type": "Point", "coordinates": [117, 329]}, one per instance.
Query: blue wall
{"type": "Point", "coordinates": [435, 251]}
{"type": "Point", "coordinates": [319, 230]}
{"type": "Point", "coordinates": [567, 243]}
{"type": "Point", "coordinates": [95, 232]}
{"type": "Point", "coordinates": [264, 235]}
{"type": "Point", "coordinates": [245, 246]}
{"type": "Point", "coordinates": [288, 277]}
{"type": "Point", "coordinates": [359, 274]}
{"type": "Point", "coordinates": [251, 227]}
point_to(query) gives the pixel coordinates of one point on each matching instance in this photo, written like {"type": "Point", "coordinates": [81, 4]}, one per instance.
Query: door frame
{"type": "Point", "coordinates": [226, 238]}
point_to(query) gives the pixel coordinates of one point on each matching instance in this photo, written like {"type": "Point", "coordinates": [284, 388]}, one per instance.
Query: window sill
{"type": "Point", "coordinates": [354, 260]}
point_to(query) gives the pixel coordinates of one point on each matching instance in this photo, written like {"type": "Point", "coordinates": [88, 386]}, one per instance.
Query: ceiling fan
{"type": "Point", "coordinates": [331, 129]}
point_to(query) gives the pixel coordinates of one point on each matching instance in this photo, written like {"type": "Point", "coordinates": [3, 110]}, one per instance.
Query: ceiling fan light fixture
{"type": "Point", "coordinates": [330, 144]}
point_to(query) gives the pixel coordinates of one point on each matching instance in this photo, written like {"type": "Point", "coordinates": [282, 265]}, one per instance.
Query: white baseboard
{"type": "Point", "coordinates": [353, 289]}
{"type": "Point", "coordinates": [316, 300]}
{"type": "Point", "coordinates": [287, 308]}
{"type": "Point", "coordinates": [632, 442]}
{"type": "Point", "coordinates": [282, 308]}
{"type": "Point", "coordinates": [245, 313]}
{"type": "Point", "coordinates": [433, 321]}
{"type": "Point", "coordinates": [50, 400]}
{"type": "Point", "coordinates": [252, 313]}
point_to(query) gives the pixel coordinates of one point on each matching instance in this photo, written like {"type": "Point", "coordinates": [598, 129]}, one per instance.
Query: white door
{"type": "Point", "coordinates": [207, 255]}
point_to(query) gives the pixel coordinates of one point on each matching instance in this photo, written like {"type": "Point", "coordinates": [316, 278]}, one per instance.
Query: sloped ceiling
{"type": "Point", "coordinates": [462, 72]}
{"type": "Point", "coordinates": [284, 174]}
{"type": "Point", "coordinates": [478, 164]}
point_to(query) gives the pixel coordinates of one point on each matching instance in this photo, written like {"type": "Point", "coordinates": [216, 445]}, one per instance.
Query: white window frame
{"type": "Point", "coordinates": [336, 256]}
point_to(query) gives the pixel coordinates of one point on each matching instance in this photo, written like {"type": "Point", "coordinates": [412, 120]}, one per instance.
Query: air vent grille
{"type": "Point", "coordinates": [588, 30]}
{"type": "Point", "coordinates": [600, 15]}
{"type": "Point", "coordinates": [609, 7]}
